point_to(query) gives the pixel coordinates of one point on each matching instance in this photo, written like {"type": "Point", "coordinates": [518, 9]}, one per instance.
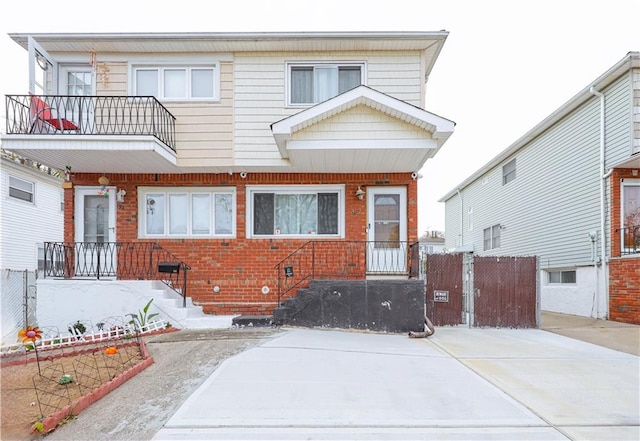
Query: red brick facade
{"type": "Point", "coordinates": [624, 271]}
{"type": "Point", "coordinates": [240, 266]}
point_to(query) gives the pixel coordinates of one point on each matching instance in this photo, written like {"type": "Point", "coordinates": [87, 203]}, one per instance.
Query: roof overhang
{"type": "Point", "coordinates": [95, 154]}
{"type": "Point", "coordinates": [430, 43]}
{"type": "Point", "coordinates": [353, 154]}
{"type": "Point", "coordinates": [630, 61]}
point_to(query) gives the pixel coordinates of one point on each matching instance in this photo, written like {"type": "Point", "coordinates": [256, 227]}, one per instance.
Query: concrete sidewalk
{"type": "Point", "coordinates": [458, 384]}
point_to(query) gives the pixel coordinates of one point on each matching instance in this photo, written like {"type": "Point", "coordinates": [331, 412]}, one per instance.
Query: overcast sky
{"type": "Point", "coordinates": [505, 66]}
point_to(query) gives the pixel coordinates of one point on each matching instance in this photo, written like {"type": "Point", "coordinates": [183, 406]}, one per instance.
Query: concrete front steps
{"type": "Point", "coordinates": [170, 306]}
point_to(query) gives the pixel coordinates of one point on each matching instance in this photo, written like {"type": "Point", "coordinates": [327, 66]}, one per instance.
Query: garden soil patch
{"type": "Point", "coordinates": [29, 393]}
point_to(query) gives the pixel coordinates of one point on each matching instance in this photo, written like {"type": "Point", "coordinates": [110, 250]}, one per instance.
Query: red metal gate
{"type": "Point", "coordinates": [444, 289]}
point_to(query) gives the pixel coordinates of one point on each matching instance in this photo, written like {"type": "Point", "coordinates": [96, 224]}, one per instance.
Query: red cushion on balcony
{"type": "Point", "coordinates": [61, 124]}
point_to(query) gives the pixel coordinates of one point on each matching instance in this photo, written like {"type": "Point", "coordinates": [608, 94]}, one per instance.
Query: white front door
{"type": "Point", "coordinates": [95, 226]}
{"type": "Point", "coordinates": [387, 230]}
{"type": "Point", "coordinates": [76, 81]}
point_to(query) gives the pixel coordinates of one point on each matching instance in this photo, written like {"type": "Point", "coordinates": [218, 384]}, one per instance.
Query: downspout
{"type": "Point", "coordinates": [461, 218]}
{"type": "Point", "coordinates": [603, 176]}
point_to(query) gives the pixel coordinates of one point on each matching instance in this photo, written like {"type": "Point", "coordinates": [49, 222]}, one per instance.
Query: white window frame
{"type": "Point", "coordinates": [189, 191]}
{"type": "Point", "coordinates": [25, 181]}
{"type": "Point", "coordinates": [492, 244]}
{"type": "Point", "coordinates": [560, 272]}
{"type": "Point", "coordinates": [335, 64]}
{"type": "Point", "coordinates": [625, 183]}
{"type": "Point", "coordinates": [510, 175]}
{"type": "Point", "coordinates": [295, 189]}
{"type": "Point", "coordinates": [189, 68]}
{"type": "Point", "coordinates": [470, 218]}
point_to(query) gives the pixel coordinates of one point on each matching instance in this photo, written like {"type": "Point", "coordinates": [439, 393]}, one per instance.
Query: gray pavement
{"type": "Point", "coordinates": [499, 384]}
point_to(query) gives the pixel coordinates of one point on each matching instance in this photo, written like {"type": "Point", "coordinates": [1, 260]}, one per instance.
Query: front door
{"type": "Point", "coordinates": [95, 226]}
{"type": "Point", "coordinates": [76, 81]}
{"type": "Point", "coordinates": [387, 230]}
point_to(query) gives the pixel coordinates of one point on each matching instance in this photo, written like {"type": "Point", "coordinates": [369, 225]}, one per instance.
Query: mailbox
{"type": "Point", "coordinates": [168, 267]}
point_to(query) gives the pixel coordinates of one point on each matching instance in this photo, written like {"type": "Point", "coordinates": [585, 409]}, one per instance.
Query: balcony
{"type": "Point", "coordinates": [92, 133]}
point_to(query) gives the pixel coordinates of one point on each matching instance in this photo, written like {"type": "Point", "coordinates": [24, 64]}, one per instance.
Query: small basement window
{"type": "Point", "coordinates": [562, 277]}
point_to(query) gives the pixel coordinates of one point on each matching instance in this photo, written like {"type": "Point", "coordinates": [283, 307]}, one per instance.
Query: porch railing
{"type": "Point", "coordinates": [630, 240]}
{"type": "Point", "coordinates": [122, 260]}
{"type": "Point", "coordinates": [327, 259]}
{"type": "Point", "coordinates": [90, 115]}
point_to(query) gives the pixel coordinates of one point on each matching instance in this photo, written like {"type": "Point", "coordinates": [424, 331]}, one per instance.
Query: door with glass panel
{"type": "Point", "coordinates": [387, 230]}
{"type": "Point", "coordinates": [76, 82]}
{"type": "Point", "coordinates": [95, 250]}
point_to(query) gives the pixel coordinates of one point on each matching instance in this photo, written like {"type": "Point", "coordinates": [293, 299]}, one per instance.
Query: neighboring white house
{"type": "Point", "coordinates": [567, 191]}
{"type": "Point", "coordinates": [432, 242]}
{"type": "Point", "coordinates": [32, 213]}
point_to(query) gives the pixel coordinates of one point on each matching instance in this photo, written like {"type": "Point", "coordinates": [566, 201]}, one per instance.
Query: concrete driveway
{"type": "Point", "coordinates": [461, 383]}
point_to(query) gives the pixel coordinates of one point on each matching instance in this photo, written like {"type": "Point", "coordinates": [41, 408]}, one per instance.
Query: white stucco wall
{"type": "Point", "coordinates": [61, 302]}
{"type": "Point", "coordinates": [576, 299]}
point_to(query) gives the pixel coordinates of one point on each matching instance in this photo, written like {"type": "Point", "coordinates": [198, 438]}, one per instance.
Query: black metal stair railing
{"type": "Point", "coordinates": [89, 115]}
{"type": "Point", "coordinates": [121, 260]}
{"type": "Point", "coordinates": [333, 259]}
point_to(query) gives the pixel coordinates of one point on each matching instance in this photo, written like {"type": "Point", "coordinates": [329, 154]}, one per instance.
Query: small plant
{"type": "Point", "coordinates": [168, 325]}
{"type": "Point", "coordinates": [65, 379]}
{"type": "Point", "coordinates": [38, 427]}
{"type": "Point", "coordinates": [142, 318]}
{"type": "Point", "coordinates": [78, 327]}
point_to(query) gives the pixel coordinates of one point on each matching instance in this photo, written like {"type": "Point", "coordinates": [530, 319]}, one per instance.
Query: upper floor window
{"type": "Point", "coordinates": [315, 83]}
{"type": "Point", "coordinates": [509, 172]}
{"type": "Point", "coordinates": [21, 189]}
{"type": "Point", "coordinates": [296, 211]}
{"type": "Point", "coordinates": [186, 212]}
{"type": "Point", "coordinates": [177, 82]}
{"type": "Point", "coordinates": [491, 237]}
{"type": "Point", "coordinates": [470, 218]}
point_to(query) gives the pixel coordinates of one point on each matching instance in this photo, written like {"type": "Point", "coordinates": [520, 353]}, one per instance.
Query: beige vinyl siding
{"type": "Point", "coordinates": [260, 94]}
{"type": "Point", "coordinates": [360, 122]}
{"type": "Point", "coordinates": [204, 130]}
{"type": "Point", "coordinates": [111, 78]}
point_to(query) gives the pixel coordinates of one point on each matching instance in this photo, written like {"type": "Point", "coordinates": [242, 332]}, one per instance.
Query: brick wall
{"type": "Point", "coordinates": [624, 272]}
{"type": "Point", "coordinates": [624, 290]}
{"type": "Point", "coordinates": [240, 266]}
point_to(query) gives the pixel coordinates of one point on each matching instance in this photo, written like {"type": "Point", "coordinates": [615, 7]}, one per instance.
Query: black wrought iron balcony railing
{"type": "Point", "coordinates": [326, 259]}
{"type": "Point", "coordinates": [630, 240]}
{"type": "Point", "coordinates": [90, 115]}
{"type": "Point", "coordinates": [121, 260]}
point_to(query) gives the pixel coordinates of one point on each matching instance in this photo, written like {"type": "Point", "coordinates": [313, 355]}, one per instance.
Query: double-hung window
{"type": "Point", "coordinates": [509, 172]}
{"type": "Point", "coordinates": [315, 83]}
{"type": "Point", "coordinates": [491, 237]}
{"type": "Point", "coordinates": [187, 212]}
{"type": "Point", "coordinates": [21, 189]}
{"type": "Point", "coordinates": [295, 211]}
{"type": "Point", "coordinates": [198, 82]}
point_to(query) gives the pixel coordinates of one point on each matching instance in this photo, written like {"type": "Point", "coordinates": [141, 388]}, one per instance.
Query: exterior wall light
{"type": "Point", "coordinates": [360, 193]}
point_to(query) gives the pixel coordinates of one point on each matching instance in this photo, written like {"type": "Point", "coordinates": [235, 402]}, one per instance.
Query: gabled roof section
{"type": "Point", "coordinates": [438, 127]}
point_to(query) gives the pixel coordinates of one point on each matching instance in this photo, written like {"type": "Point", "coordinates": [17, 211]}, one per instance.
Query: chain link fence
{"type": "Point", "coordinates": [18, 302]}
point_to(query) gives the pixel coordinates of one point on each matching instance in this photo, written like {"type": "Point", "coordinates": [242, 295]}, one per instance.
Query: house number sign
{"type": "Point", "coordinates": [441, 296]}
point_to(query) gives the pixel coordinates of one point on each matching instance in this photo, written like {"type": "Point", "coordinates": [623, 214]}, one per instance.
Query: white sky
{"type": "Point", "coordinates": [505, 66]}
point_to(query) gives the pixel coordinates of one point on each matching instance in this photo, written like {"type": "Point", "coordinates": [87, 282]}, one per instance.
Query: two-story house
{"type": "Point", "coordinates": [567, 191]}
{"type": "Point", "coordinates": [221, 154]}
